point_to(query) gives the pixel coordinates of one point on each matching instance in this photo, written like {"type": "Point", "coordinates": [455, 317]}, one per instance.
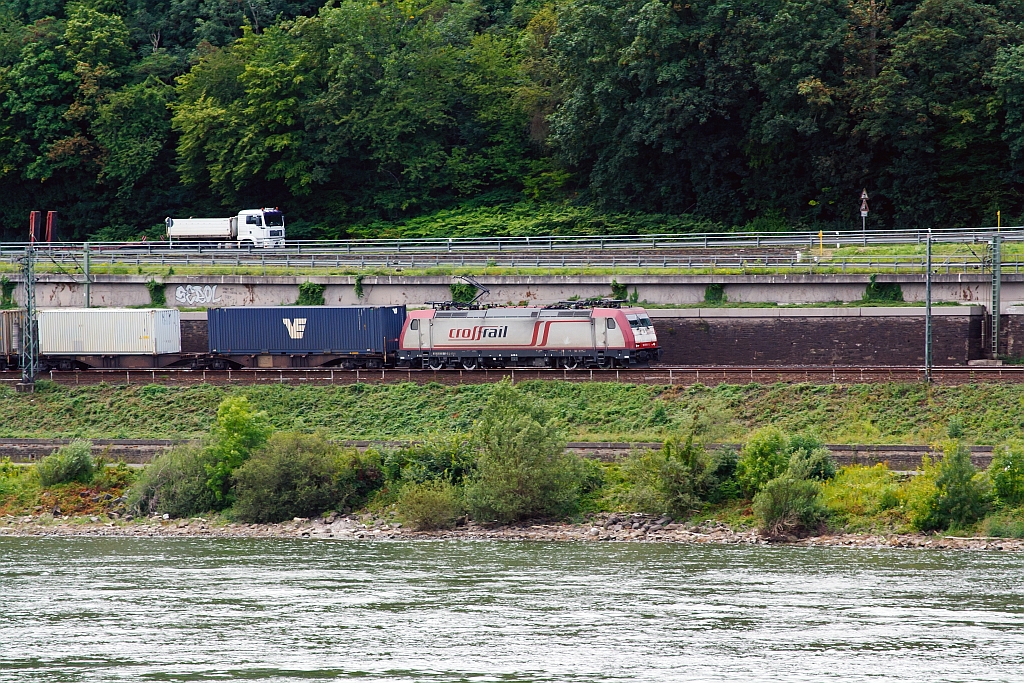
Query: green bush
{"type": "Point", "coordinates": [238, 432]}
{"type": "Point", "coordinates": [522, 470]}
{"type": "Point", "coordinates": [439, 456]}
{"type": "Point", "coordinates": [175, 483]}
{"type": "Point", "coordinates": [431, 504]}
{"type": "Point", "coordinates": [1008, 524]}
{"type": "Point", "coordinates": [950, 495]}
{"type": "Point", "coordinates": [1007, 474]}
{"type": "Point", "coordinates": [764, 457]}
{"type": "Point", "coordinates": [301, 475]}
{"type": "Point", "coordinates": [676, 480]}
{"type": "Point", "coordinates": [809, 459]}
{"type": "Point", "coordinates": [860, 491]}
{"type": "Point", "coordinates": [17, 485]}
{"type": "Point", "coordinates": [70, 463]}
{"type": "Point", "coordinates": [789, 505]}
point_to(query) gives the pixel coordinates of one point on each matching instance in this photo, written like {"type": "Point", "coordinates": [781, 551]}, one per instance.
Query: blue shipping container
{"type": "Point", "coordinates": [305, 329]}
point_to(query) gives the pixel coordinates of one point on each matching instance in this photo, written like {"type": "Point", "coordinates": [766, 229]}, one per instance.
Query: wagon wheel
{"type": "Point", "coordinates": [435, 363]}
{"type": "Point", "coordinates": [470, 363]}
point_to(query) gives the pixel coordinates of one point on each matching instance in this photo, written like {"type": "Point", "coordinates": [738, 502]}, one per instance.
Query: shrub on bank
{"type": "Point", "coordinates": [861, 491]}
{"type": "Point", "coordinates": [70, 463]}
{"type": "Point", "coordinates": [175, 483]}
{"type": "Point", "coordinates": [1006, 524]}
{"type": "Point", "coordinates": [438, 456]}
{"type": "Point", "coordinates": [763, 458]}
{"type": "Point", "coordinates": [788, 504]}
{"type": "Point", "coordinates": [521, 469]}
{"type": "Point", "coordinates": [433, 504]}
{"type": "Point", "coordinates": [809, 458]}
{"type": "Point", "coordinates": [948, 495]}
{"type": "Point", "coordinates": [677, 480]}
{"type": "Point", "coordinates": [301, 475]}
{"type": "Point", "coordinates": [237, 434]}
{"type": "Point", "coordinates": [1007, 474]}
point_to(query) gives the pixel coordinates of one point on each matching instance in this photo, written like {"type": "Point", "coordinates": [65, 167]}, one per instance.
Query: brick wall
{"type": "Point", "coordinates": [194, 337]}
{"type": "Point", "coordinates": [818, 341]}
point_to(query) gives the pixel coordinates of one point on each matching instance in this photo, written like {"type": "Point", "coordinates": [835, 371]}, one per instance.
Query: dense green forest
{"type": "Point", "coordinates": [358, 117]}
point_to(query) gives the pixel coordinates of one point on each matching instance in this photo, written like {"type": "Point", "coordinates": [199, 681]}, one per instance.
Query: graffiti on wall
{"type": "Point", "coordinates": [196, 295]}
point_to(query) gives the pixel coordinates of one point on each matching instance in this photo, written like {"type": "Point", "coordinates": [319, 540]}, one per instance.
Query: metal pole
{"type": "Point", "coordinates": [88, 277]}
{"type": "Point", "coordinates": [29, 351]}
{"type": "Point", "coordinates": [928, 310]}
{"type": "Point", "coordinates": [997, 281]}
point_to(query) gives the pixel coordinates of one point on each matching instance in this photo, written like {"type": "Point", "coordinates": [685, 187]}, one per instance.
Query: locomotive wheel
{"type": "Point", "coordinates": [570, 363]}
{"type": "Point", "coordinates": [470, 363]}
{"type": "Point", "coordinates": [435, 363]}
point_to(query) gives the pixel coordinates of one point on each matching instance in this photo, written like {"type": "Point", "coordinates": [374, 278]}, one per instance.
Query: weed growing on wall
{"type": "Point", "coordinates": [310, 294]}
{"type": "Point", "coordinates": [7, 293]}
{"type": "Point", "coordinates": [157, 294]}
{"type": "Point", "coordinates": [881, 292]}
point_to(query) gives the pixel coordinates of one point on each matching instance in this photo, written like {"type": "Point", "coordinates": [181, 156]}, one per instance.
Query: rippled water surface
{"type": "Point", "coordinates": [279, 610]}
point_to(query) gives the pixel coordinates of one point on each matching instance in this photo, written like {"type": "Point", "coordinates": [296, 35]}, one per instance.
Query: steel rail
{"type": "Point", "coordinates": [659, 375]}
{"type": "Point", "coordinates": [583, 243]}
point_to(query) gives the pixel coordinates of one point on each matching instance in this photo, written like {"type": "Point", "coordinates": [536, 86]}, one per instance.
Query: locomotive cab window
{"type": "Point", "coordinates": [415, 324]}
{"type": "Point", "coordinates": [611, 323]}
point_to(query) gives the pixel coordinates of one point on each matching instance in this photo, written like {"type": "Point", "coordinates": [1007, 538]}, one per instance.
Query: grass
{"type": "Point", "coordinates": [869, 413]}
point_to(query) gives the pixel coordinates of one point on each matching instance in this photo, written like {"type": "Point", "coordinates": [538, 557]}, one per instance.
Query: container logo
{"type": "Point", "coordinates": [296, 328]}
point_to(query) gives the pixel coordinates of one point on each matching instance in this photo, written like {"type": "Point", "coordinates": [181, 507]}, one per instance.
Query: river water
{"type": "Point", "coordinates": [95, 609]}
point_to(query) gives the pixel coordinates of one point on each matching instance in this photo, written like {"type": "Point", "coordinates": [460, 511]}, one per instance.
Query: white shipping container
{"type": "Point", "coordinates": [10, 332]}
{"type": "Point", "coordinates": [109, 331]}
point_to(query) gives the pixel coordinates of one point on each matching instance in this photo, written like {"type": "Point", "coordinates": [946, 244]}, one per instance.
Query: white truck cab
{"type": "Point", "coordinates": [259, 228]}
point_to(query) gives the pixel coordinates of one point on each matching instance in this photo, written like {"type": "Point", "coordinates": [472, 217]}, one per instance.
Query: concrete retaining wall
{"type": "Point", "coordinates": [229, 290]}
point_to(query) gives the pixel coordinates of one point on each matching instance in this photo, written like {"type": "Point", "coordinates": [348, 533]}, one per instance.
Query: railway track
{"type": "Point", "coordinates": [141, 451]}
{"type": "Point", "coordinates": [660, 375]}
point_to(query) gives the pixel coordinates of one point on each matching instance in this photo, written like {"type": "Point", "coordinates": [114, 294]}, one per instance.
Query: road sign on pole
{"type": "Point", "coordinates": [864, 211]}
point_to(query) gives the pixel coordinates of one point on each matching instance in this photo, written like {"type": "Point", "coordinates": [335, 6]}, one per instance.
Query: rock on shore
{"type": "Point", "coordinates": [635, 528]}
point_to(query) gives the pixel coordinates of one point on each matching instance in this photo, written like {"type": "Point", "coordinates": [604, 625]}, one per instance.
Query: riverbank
{"type": "Point", "coordinates": [602, 527]}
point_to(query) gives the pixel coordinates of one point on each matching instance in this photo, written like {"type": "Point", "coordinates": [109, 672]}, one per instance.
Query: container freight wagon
{"type": "Point", "coordinates": [531, 337]}
{"type": "Point", "coordinates": [304, 336]}
{"type": "Point", "coordinates": [10, 338]}
{"type": "Point", "coordinates": [80, 338]}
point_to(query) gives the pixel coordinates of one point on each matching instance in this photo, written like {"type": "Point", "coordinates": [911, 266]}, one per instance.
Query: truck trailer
{"type": "Point", "coordinates": [258, 228]}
